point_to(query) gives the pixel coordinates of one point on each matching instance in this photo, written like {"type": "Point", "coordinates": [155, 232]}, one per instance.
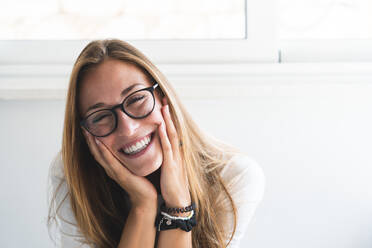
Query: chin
{"type": "Point", "coordinates": [145, 171]}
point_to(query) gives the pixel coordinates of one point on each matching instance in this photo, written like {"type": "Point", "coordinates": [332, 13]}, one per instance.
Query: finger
{"type": "Point", "coordinates": [171, 129]}
{"type": "Point", "coordinates": [165, 144]}
{"type": "Point", "coordinates": [100, 155]}
{"type": "Point", "coordinates": [111, 158]}
{"type": "Point", "coordinates": [165, 101]}
{"type": "Point", "coordinates": [109, 161]}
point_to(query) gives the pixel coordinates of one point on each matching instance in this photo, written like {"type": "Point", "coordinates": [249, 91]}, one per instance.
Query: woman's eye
{"type": "Point", "coordinates": [134, 99]}
{"type": "Point", "coordinates": [99, 118]}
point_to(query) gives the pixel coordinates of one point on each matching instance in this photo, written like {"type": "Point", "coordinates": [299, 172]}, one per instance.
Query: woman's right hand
{"type": "Point", "coordinates": [142, 192]}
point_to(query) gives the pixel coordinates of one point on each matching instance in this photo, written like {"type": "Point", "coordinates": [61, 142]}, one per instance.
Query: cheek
{"type": "Point", "coordinates": [157, 116]}
{"type": "Point", "coordinates": [109, 141]}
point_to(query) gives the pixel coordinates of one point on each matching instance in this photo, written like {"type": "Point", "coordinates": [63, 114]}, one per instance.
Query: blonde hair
{"type": "Point", "coordinates": [101, 206]}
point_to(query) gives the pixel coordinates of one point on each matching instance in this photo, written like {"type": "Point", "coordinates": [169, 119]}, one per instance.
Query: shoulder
{"type": "Point", "coordinates": [245, 177]}
{"type": "Point", "coordinates": [68, 232]}
{"type": "Point", "coordinates": [59, 187]}
{"type": "Point", "coordinates": [56, 178]}
{"type": "Point", "coordinates": [56, 167]}
{"type": "Point", "coordinates": [245, 181]}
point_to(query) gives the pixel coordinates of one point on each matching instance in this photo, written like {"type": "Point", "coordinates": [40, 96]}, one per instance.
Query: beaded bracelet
{"type": "Point", "coordinates": [170, 217]}
{"type": "Point", "coordinates": [177, 210]}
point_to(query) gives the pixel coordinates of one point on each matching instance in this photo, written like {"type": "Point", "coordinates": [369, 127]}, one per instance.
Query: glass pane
{"type": "Point", "coordinates": [325, 19]}
{"type": "Point", "coordinates": [125, 19]}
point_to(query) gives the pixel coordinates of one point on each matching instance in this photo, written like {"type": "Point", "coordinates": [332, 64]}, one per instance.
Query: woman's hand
{"type": "Point", "coordinates": [173, 180]}
{"type": "Point", "coordinates": [141, 191]}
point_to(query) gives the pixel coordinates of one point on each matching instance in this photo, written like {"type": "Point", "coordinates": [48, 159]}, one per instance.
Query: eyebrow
{"type": "Point", "coordinates": [122, 94]}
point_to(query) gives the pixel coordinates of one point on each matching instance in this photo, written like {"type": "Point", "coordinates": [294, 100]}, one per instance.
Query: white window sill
{"type": "Point", "coordinates": [45, 81]}
{"type": "Point", "coordinates": [319, 50]}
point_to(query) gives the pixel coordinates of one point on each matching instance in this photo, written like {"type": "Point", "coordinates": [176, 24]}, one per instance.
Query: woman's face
{"type": "Point", "coordinates": [105, 84]}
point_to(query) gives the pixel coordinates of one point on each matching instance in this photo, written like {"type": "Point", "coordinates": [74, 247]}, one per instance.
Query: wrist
{"type": "Point", "coordinates": [165, 221]}
{"type": "Point", "coordinates": [177, 203]}
{"type": "Point", "coordinates": [144, 212]}
{"type": "Point", "coordinates": [180, 204]}
{"type": "Point", "coordinates": [144, 207]}
{"type": "Point", "coordinates": [177, 198]}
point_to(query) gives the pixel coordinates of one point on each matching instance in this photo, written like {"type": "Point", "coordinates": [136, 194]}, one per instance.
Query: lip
{"type": "Point", "coordinates": [141, 152]}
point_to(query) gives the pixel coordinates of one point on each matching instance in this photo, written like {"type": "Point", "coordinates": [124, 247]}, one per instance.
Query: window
{"type": "Point", "coordinates": [181, 31]}
{"type": "Point", "coordinates": [124, 19]}
{"type": "Point", "coordinates": [188, 38]}
{"type": "Point", "coordinates": [325, 30]}
{"type": "Point", "coordinates": [325, 19]}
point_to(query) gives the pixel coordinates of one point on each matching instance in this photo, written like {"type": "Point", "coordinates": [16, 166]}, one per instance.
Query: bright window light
{"type": "Point", "coordinates": [325, 19]}
{"type": "Point", "coordinates": [124, 19]}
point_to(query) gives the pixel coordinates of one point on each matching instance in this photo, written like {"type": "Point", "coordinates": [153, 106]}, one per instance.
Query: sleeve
{"type": "Point", "coordinates": [67, 233]}
{"type": "Point", "coordinates": [247, 181]}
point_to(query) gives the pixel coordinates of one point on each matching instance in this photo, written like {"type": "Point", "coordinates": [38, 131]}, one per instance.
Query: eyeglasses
{"type": "Point", "coordinates": [137, 105]}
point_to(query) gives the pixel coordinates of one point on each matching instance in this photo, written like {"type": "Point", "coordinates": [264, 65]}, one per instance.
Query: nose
{"type": "Point", "coordinates": [126, 125]}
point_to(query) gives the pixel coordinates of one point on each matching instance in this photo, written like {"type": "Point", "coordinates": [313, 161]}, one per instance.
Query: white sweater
{"type": "Point", "coordinates": [244, 177]}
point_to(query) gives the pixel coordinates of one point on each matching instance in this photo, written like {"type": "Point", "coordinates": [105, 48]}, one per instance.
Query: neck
{"type": "Point", "coordinates": [154, 178]}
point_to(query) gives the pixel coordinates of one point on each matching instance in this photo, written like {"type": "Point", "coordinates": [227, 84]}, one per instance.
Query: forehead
{"type": "Point", "coordinates": [105, 83]}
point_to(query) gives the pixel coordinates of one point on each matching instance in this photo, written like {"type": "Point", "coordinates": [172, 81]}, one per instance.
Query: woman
{"type": "Point", "coordinates": [135, 170]}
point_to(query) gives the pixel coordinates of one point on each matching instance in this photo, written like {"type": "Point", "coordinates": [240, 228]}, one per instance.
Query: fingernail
{"type": "Point", "coordinates": [97, 141]}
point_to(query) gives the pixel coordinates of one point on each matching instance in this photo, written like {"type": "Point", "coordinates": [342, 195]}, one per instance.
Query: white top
{"type": "Point", "coordinates": [243, 175]}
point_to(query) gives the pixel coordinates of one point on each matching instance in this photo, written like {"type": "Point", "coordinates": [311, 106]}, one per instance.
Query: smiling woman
{"type": "Point", "coordinates": [124, 126]}
{"type": "Point", "coordinates": [135, 170]}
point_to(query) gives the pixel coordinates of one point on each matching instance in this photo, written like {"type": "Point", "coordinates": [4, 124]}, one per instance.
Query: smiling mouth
{"type": "Point", "coordinates": [138, 146]}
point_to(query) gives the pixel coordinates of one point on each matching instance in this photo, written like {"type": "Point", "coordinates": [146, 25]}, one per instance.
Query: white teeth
{"type": "Point", "coordinates": [139, 146]}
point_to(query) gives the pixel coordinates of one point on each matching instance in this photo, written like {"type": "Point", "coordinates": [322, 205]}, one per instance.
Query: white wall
{"type": "Point", "coordinates": [312, 137]}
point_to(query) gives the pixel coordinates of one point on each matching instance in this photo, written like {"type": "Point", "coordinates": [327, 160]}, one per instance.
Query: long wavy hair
{"type": "Point", "coordinates": [99, 204]}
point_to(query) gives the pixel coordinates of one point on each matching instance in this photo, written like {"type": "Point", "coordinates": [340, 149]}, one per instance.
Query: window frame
{"type": "Point", "coordinates": [259, 45]}
{"type": "Point", "coordinates": [40, 68]}
{"type": "Point", "coordinates": [325, 50]}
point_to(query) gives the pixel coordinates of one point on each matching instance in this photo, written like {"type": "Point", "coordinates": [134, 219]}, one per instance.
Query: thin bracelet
{"type": "Point", "coordinates": [178, 210]}
{"type": "Point", "coordinates": [178, 217]}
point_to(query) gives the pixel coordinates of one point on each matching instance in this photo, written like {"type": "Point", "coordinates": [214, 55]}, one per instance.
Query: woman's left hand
{"type": "Point", "coordinates": [173, 180]}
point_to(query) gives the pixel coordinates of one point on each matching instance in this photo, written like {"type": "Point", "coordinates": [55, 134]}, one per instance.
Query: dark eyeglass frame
{"type": "Point", "coordinates": [151, 89]}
